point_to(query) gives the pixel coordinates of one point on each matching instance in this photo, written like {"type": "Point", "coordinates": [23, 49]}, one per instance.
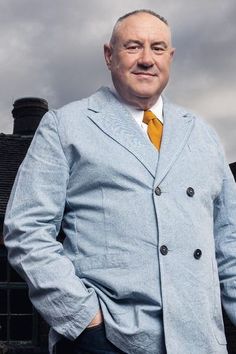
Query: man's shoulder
{"type": "Point", "coordinates": [97, 100]}
{"type": "Point", "coordinates": [180, 110]}
{"type": "Point", "coordinates": [200, 123]}
{"type": "Point", "coordinates": [74, 115]}
{"type": "Point", "coordinates": [175, 110]}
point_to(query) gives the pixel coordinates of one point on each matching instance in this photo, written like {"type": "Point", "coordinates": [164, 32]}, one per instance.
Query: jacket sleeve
{"type": "Point", "coordinates": [32, 222]}
{"type": "Point", "coordinates": [225, 241]}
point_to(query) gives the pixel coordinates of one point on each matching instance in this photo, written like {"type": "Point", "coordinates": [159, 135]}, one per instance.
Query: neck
{"type": "Point", "coordinates": [141, 103]}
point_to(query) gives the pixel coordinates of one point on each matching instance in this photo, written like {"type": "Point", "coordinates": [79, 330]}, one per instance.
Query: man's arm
{"type": "Point", "coordinates": [32, 223]}
{"type": "Point", "coordinates": [225, 240]}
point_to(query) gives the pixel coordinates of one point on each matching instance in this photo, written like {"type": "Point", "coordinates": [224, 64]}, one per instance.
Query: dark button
{"type": "Point", "coordinates": [197, 254]}
{"type": "Point", "coordinates": [190, 191]}
{"type": "Point", "coordinates": [158, 191]}
{"type": "Point", "coordinates": [164, 250]}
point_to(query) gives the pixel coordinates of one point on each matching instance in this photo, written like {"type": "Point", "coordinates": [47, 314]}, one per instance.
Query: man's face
{"type": "Point", "coordinates": [140, 58]}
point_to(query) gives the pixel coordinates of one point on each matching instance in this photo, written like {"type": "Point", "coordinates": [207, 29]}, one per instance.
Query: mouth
{"type": "Point", "coordinates": [144, 74]}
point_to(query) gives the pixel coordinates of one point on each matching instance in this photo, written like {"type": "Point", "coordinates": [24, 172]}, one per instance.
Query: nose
{"type": "Point", "coordinates": [146, 58]}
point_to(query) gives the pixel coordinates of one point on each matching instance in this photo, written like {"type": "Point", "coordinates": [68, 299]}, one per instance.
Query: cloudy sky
{"type": "Point", "coordinates": [54, 50]}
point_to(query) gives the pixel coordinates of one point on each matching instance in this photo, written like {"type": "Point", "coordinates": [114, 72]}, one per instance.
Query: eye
{"type": "Point", "coordinates": [158, 49]}
{"type": "Point", "coordinates": [133, 48]}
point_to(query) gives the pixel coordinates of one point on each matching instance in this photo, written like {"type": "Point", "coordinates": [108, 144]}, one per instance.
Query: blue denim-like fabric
{"type": "Point", "coordinates": [91, 168]}
{"type": "Point", "coordinates": [90, 341]}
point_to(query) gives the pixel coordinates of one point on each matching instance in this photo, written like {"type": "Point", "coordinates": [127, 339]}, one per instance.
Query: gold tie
{"type": "Point", "coordinates": [155, 128]}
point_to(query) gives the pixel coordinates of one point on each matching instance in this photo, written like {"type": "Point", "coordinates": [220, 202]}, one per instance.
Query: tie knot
{"type": "Point", "coordinates": [147, 116]}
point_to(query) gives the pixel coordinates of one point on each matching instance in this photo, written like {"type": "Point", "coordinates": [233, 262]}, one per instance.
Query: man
{"type": "Point", "coordinates": [148, 212]}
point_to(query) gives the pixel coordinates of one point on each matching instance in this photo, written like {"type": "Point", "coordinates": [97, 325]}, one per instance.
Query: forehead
{"type": "Point", "coordinates": [143, 26]}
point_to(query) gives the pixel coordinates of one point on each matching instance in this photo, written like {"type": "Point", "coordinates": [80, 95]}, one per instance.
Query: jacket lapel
{"type": "Point", "coordinates": [178, 125]}
{"type": "Point", "coordinates": [112, 118]}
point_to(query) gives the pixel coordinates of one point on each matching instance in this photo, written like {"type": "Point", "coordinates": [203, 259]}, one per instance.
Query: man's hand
{"type": "Point", "coordinates": [96, 320]}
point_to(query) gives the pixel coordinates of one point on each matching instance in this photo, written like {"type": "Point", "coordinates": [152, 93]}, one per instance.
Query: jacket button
{"type": "Point", "coordinates": [197, 254]}
{"type": "Point", "coordinates": [158, 191]}
{"type": "Point", "coordinates": [164, 250]}
{"type": "Point", "coordinates": [190, 191]}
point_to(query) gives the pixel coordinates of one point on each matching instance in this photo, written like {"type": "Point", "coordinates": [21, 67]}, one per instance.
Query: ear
{"type": "Point", "coordinates": [108, 55]}
{"type": "Point", "coordinates": [172, 52]}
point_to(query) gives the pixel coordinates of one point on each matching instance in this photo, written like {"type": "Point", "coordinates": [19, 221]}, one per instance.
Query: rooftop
{"type": "Point", "coordinates": [13, 149]}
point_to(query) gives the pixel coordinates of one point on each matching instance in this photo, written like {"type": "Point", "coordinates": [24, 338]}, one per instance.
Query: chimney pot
{"type": "Point", "coordinates": [27, 113]}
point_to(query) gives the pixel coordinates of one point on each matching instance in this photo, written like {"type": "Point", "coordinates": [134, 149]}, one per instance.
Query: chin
{"type": "Point", "coordinates": [145, 91]}
{"type": "Point", "coordinates": [146, 94]}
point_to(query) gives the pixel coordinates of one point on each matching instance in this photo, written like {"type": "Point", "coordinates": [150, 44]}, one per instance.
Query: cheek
{"type": "Point", "coordinates": [164, 64]}
{"type": "Point", "coordinates": [121, 70]}
{"type": "Point", "coordinates": [118, 65]}
{"type": "Point", "coordinates": [126, 63]}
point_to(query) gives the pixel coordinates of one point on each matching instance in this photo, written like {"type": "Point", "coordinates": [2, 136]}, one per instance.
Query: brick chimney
{"type": "Point", "coordinates": [27, 113]}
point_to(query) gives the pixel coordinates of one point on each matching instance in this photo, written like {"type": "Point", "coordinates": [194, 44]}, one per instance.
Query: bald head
{"type": "Point", "coordinates": [132, 13]}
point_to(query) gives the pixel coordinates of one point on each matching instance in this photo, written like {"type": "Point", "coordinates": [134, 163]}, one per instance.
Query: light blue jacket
{"type": "Point", "coordinates": [92, 167]}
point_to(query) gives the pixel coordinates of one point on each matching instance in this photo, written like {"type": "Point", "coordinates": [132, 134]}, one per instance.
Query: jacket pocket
{"type": "Point", "coordinates": [103, 261]}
